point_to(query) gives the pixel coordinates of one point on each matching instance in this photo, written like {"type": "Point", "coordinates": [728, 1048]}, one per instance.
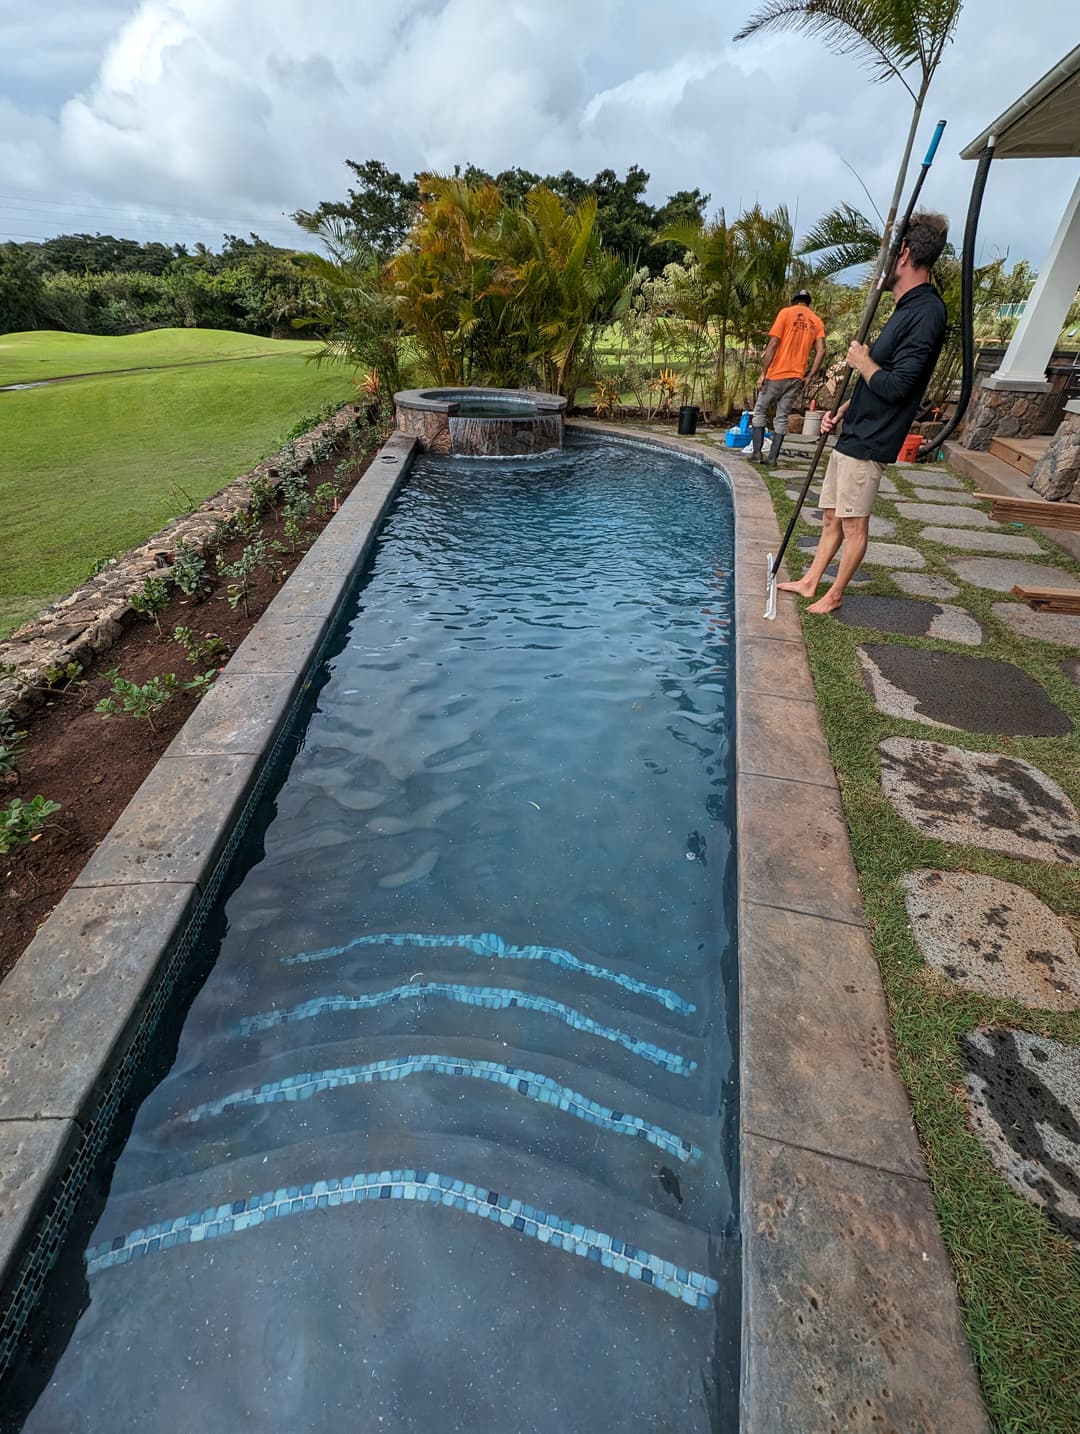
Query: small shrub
{"type": "Point", "coordinates": [201, 685]}
{"type": "Point", "coordinates": [201, 651]}
{"type": "Point", "coordinates": [182, 499]}
{"type": "Point", "coordinates": [101, 565]}
{"type": "Point", "coordinates": [238, 574]}
{"type": "Point", "coordinates": [12, 743]}
{"type": "Point", "coordinates": [130, 699]}
{"type": "Point", "coordinates": [324, 498]}
{"type": "Point", "coordinates": [22, 822]}
{"type": "Point", "coordinates": [61, 675]}
{"type": "Point", "coordinates": [189, 570]}
{"type": "Point", "coordinates": [294, 534]}
{"type": "Point", "coordinates": [151, 600]}
{"type": "Point", "coordinates": [263, 496]}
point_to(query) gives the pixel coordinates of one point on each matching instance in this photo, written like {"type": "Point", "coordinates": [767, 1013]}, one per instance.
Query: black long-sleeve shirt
{"type": "Point", "coordinates": [880, 412]}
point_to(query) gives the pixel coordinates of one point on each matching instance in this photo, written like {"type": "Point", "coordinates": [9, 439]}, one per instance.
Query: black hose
{"type": "Point", "coordinates": [967, 306]}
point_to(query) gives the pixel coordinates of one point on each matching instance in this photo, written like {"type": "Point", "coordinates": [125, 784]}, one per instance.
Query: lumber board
{"type": "Point", "coordinates": [1036, 511]}
{"type": "Point", "coordinates": [1050, 599]}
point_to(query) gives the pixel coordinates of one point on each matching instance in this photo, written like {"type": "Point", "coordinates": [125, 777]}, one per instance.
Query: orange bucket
{"type": "Point", "coordinates": [909, 450]}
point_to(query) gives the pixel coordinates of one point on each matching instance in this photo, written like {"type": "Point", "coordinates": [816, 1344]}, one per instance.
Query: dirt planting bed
{"type": "Point", "coordinates": [92, 765]}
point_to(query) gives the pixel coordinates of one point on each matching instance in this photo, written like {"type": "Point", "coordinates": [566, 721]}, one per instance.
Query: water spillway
{"type": "Point", "coordinates": [448, 1140]}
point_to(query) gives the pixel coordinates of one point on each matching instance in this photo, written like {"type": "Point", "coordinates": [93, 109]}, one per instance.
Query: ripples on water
{"type": "Point", "coordinates": [513, 797]}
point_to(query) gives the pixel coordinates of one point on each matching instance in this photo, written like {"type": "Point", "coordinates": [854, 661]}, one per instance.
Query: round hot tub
{"type": "Point", "coordinates": [482, 422]}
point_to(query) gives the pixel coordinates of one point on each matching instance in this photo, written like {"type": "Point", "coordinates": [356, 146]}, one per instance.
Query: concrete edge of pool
{"type": "Point", "coordinates": [849, 1308]}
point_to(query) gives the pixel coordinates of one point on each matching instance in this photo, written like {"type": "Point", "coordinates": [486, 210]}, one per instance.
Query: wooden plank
{"type": "Point", "coordinates": [1019, 453]}
{"type": "Point", "coordinates": [1032, 510]}
{"type": "Point", "coordinates": [1065, 600]}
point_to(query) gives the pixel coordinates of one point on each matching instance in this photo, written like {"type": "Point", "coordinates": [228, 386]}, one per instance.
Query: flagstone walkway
{"type": "Point", "coordinates": [976, 789]}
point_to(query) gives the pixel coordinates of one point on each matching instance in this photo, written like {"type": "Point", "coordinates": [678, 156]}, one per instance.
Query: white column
{"type": "Point", "coordinates": [1036, 334]}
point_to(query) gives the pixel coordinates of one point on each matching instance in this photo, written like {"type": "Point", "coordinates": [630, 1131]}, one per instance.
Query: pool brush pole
{"type": "Point", "coordinates": [873, 299]}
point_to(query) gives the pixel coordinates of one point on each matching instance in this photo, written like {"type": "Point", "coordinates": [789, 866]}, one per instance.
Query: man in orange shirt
{"type": "Point", "coordinates": [794, 330]}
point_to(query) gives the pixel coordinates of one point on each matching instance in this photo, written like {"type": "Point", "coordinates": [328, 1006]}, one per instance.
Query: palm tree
{"type": "Point", "coordinates": [845, 237]}
{"type": "Point", "coordinates": [894, 38]}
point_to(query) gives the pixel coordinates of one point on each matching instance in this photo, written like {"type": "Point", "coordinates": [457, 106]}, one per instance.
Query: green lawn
{"type": "Point", "coordinates": [93, 467]}
{"type": "Point", "coordinates": [47, 353]}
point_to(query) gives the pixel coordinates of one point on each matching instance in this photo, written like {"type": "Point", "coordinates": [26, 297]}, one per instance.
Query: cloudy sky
{"type": "Point", "coordinates": [180, 119]}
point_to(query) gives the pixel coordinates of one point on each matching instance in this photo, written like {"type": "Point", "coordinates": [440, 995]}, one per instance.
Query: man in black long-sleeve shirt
{"type": "Point", "coordinates": [893, 375]}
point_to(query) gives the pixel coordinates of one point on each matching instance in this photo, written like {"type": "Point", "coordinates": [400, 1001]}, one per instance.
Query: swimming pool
{"type": "Point", "coordinates": [449, 1137]}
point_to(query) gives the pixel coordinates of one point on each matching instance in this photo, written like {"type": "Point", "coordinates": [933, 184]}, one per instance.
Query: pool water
{"type": "Point", "coordinates": [448, 1140]}
{"type": "Point", "coordinates": [479, 407]}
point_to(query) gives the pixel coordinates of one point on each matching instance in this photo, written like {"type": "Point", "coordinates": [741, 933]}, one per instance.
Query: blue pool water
{"type": "Point", "coordinates": [448, 1139]}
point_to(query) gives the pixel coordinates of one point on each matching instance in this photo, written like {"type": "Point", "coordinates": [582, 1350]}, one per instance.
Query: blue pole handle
{"type": "Point", "coordinates": [938, 132]}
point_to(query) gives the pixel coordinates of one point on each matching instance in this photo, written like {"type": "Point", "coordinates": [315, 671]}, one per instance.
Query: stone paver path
{"type": "Point", "coordinates": [950, 513]}
{"type": "Point", "coordinates": [1023, 1093]}
{"type": "Point", "coordinates": [915, 619]}
{"type": "Point", "coordinates": [973, 694]}
{"type": "Point", "coordinates": [1012, 543]}
{"type": "Point", "coordinates": [993, 937]}
{"type": "Point", "coordinates": [927, 585]}
{"type": "Point", "coordinates": [894, 555]}
{"type": "Point", "coordinates": [1061, 627]}
{"type": "Point", "coordinates": [930, 478]}
{"type": "Point", "coordinates": [944, 495]}
{"type": "Point", "coordinates": [983, 799]}
{"type": "Point", "coordinates": [1003, 574]}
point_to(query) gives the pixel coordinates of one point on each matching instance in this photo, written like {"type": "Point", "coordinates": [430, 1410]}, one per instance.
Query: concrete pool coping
{"type": "Point", "coordinates": [848, 1304]}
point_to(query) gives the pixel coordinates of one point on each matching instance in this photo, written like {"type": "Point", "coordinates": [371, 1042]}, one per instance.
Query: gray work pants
{"type": "Point", "coordinates": [779, 391]}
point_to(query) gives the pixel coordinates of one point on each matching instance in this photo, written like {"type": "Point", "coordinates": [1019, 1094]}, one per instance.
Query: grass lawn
{"type": "Point", "coordinates": [47, 353]}
{"type": "Point", "coordinates": [1018, 1278]}
{"type": "Point", "coordinates": [93, 467]}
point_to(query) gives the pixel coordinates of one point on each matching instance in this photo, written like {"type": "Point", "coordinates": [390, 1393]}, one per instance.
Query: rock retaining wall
{"type": "Point", "coordinates": [1057, 473]}
{"type": "Point", "coordinates": [90, 619]}
{"type": "Point", "coordinates": [1007, 413]}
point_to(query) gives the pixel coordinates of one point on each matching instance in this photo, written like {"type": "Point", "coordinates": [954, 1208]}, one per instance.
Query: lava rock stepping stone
{"type": "Point", "coordinates": [811, 499]}
{"type": "Point", "coordinates": [940, 495]}
{"type": "Point", "coordinates": [1071, 669]}
{"type": "Point", "coordinates": [949, 513]}
{"type": "Point", "coordinates": [993, 937]}
{"type": "Point", "coordinates": [984, 799]}
{"type": "Point", "coordinates": [1001, 575]}
{"type": "Point", "coordinates": [911, 618]}
{"type": "Point", "coordinates": [1023, 1098]}
{"type": "Point", "coordinates": [927, 585]}
{"type": "Point", "coordinates": [974, 542]}
{"type": "Point", "coordinates": [894, 555]}
{"type": "Point", "coordinates": [1060, 627]}
{"type": "Point", "coordinates": [915, 473]}
{"type": "Point", "coordinates": [970, 694]}
{"type": "Point", "coordinates": [887, 487]}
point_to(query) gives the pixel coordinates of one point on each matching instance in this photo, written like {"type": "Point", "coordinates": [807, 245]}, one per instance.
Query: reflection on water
{"type": "Point", "coordinates": [447, 1142]}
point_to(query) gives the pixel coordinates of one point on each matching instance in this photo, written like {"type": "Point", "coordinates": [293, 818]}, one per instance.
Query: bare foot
{"type": "Point", "coordinates": [826, 604]}
{"type": "Point", "coordinates": [803, 588]}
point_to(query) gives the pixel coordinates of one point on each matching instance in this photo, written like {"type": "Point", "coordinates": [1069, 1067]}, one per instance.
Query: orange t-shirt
{"type": "Point", "coordinates": [795, 329]}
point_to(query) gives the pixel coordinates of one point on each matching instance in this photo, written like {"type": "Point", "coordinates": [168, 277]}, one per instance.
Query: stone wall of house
{"type": "Point", "coordinates": [1007, 413]}
{"type": "Point", "coordinates": [90, 619]}
{"type": "Point", "coordinates": [1057, 473]}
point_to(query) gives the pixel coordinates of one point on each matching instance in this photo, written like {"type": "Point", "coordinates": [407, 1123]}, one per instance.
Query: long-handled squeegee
{"type": "Point", "coordinates": [873, 299]}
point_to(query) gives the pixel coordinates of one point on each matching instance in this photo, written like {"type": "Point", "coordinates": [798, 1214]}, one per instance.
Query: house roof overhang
{"type": "Point", "coordinates": [1044, 123]}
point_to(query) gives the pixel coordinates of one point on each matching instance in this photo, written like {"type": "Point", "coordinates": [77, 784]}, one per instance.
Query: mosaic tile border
{"type": "Point", "coordinates": [488, 944]}
{"type": "Point", "coordinates": [491, 998]}
{"type": "Point", "coordinates": [27, 1281]}
{"type": "Point", "coordinates": [690, 1286]}
{"type": "Point", "coordinates": [530, 1084]}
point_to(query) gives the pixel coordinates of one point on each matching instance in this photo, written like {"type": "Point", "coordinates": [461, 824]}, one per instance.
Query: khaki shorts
{"type": "Point", "coordinates": [851, 485]}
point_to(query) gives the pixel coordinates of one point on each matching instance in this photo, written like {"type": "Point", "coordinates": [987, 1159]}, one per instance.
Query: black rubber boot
{"type": "Point", "coordinates": [774, 451]}
{"type": "Point", "coordinates": [758, 437]}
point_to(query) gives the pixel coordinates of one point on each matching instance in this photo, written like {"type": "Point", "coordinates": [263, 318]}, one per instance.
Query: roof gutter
{"type": "Point", "coordinates": [1062, 72]}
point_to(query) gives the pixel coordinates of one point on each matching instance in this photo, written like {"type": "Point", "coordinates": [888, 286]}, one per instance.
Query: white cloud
{"type": "Point", "coordinates": [243, 110]}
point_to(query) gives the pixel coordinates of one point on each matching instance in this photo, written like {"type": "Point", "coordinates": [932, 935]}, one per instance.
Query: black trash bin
{"type": "Point", "coordinates": [688, 417]}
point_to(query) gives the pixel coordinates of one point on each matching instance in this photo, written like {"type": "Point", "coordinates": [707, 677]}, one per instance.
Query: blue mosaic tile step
{"type": "Point", "coordinates": [522, 1082]}
{"type": "Point", "coordinates": [492, 998]}
{"type": "Point", "coordinates": [425, 1186]}
{"type": "Point", "coordinates": [489, 944]}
